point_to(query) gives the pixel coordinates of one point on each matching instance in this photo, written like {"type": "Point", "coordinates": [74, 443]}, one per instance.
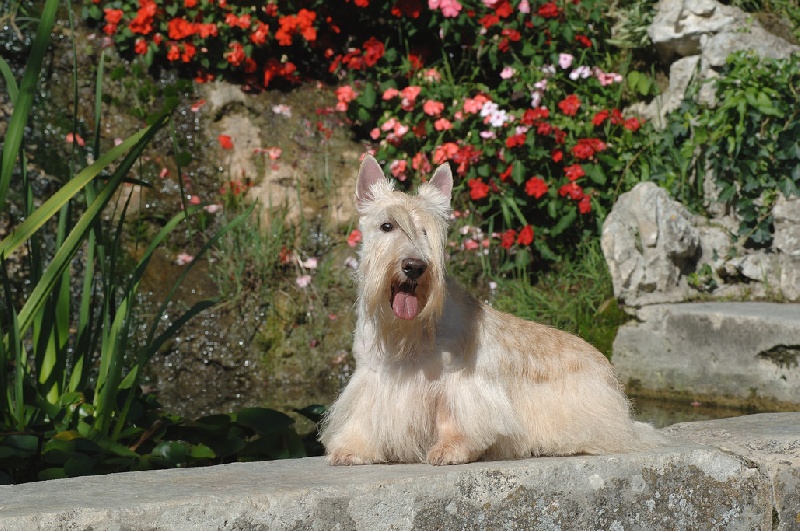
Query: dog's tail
{"type": "Point", "coordinates": [648, 437]}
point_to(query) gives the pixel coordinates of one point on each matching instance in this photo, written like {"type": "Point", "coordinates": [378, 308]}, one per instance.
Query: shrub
{"type": "Point", "coordinates": [747, 140]}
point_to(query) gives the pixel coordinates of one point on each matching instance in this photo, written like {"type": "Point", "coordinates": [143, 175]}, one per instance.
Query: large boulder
{"type": "Point", "coordinates": [649, 241]}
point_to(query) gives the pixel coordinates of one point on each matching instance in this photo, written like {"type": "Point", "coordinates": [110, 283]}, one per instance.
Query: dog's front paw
{"type": "Point", "coordinates": [449, 454]}
{"type": "Point", "coordinates": [343, 457]}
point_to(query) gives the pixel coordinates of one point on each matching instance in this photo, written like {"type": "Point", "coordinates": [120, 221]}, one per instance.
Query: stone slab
{"type": "Point", "coordinates": [725, 351]}
{"type": "Point", "coordinates": [771, 441]}
{"type": "Point", "coordinates": [681, 486]}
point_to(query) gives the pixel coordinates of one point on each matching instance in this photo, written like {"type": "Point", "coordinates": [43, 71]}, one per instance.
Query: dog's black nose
{"type": "Point", "coordinates": [413, 268]}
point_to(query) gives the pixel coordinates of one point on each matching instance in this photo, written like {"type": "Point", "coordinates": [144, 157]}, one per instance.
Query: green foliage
{"type": "Point", "coordinates": [748, 140]}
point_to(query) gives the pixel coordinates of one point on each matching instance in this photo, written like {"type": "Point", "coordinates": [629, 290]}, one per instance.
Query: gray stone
{"type": "Point", "coordinates": [771, 441]}
{"type": "Point", "coordinates": [648, 240]}
{"type": "Point", "coordinates": [786, 219]}
{"type": "Point", "coordinates": [681, 486]}
{"type": "Point", "coordinates": [744, 352]}
{"type": "Point", "coordinates": [705, 27]}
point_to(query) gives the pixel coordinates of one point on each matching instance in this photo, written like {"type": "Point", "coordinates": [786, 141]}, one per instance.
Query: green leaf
{"type": "Point", "coordinates": [24, 100]}
{"type": "Point", "coordinates": [263, 420]}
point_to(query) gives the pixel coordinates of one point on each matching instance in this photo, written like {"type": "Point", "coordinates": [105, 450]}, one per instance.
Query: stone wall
{"type": "Point", "coordinates": [736, 474]}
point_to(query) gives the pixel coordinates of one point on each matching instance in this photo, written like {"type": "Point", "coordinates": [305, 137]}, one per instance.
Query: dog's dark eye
{"type": "Point", "coordinates": [424, 232]}
{"type": "Point", "coordinates": [387, 227]}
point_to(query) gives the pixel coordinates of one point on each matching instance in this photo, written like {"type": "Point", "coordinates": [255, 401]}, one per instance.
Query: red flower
{"type": "Point", "coordinates": [572, 190]}
{"type": "Point", "coordinates": [632, 124]}
{"type": "Point", "coordinates": [536, 187]}
{"type": "Point", "coordinates": [557, 155]}
{"type": "Point", "coordinates": [525, 235]}
{"type": "Point", "coordinates": [259, 36]}
{"type": "Point", "coordinates": [487, 21]}
{"type": "Point", "coordinates": [531, 116]}
{"type": "Point", "coordinates": [173, 53]}
{"type": "Point", "coordinates": [574, 172]}
{"type": "Point", "coordinates": [235, 56]}
{"type": "Point", "coordinates": [407, 8]}
{"type": "Point", "coordinates": [548, 10]}
{"type": "Point", "coordinates": [570, 105]}
{"type": "Point", "coordinates": [507, 238]}
{"type": "Point", "coordinates": [507, 173]}
{"type": "Point", "coordinates": [585, 205]}
{"type": "Point", "coordinates": [599, 118]}
{"type": "Point", "coordinates": [515, 140]}
{"type": "Point", "coordinates": [373, 51]}
{"type": "Point", "coordinates": [225, 141]}
{"type": "Point", "coordinates": [477, 189]}
{"type": "Point", "coordinates": [112, 16]}
{"type": "Point", "coordinates": [178, 29]}
{"type": "Point", "coordinates": [140, 47]}
{"type": "Point", "coordinates": [583, 40]}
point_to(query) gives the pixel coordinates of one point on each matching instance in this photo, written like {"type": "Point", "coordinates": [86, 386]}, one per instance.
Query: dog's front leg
{"type": "Point", "coordinates": [452, 445]}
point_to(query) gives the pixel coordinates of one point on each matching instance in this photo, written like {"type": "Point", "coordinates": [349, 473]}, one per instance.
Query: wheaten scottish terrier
{"type": "Point", "coordinates": [442, 378]}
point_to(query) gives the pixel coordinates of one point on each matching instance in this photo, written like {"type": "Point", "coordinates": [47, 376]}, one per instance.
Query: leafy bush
{"type": "Point", "coordinates": [747, 140]}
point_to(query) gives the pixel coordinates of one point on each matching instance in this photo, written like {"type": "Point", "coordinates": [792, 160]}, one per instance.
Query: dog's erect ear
{"type": "Point", "coordinates": [443, 180]}
{"type": "Point", "coordinates": [369, 173]}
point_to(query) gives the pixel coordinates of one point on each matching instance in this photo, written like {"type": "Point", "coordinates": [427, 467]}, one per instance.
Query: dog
{"type": "Point", "coordinates": [445, 379]}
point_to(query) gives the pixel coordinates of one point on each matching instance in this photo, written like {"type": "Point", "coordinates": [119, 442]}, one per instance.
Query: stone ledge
{"type": "Point", "coordinates": [745, 352]}
{"type": "Point", "coordinates": [682, 486]}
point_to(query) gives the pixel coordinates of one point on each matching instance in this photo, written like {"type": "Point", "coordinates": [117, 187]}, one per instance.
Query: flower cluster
{"type": "Point", "coordinates": [529, 120]}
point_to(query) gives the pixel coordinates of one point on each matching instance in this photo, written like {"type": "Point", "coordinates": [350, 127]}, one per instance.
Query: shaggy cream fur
{"type": "Point", "coordinates": [442, 378]}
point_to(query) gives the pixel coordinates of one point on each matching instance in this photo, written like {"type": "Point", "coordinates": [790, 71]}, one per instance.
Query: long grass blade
{"type": "Point", "coordinates": [53, 205]}
{"type": "Point", "coordinates": [64, 255]}
{"type": "Point", "coordinates": [11, 84]}
{"type": "Point", "coordinates": [24, 99]}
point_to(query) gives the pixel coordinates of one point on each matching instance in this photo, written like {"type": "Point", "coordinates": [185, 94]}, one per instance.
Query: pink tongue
{"type": "Point", "coordinates": [404, 305]}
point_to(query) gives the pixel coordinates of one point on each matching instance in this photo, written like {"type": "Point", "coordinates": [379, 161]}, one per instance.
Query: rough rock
{"type": "Point", "coordinates": [648, 241]}
{"type": "Point", "coordinates": [744, 353]}
{"type": "Point", "coordinates": [771, 441]}
{"type": "Point", "coordinates": [786, 219]}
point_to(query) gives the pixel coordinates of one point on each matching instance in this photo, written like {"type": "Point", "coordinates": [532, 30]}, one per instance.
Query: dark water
{"type": "Point", "coordinates": [662, 413]}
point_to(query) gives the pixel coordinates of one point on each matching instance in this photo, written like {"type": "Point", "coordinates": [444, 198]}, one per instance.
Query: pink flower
{"type": "Point", "coordinates": [433, 108]}
{"type": "Point", "coordinates": [164, 173]}
{"type": "Point", "coordinates": [524, 7]}
{"type": "Point", "coordinates": [449, 8]}
{"type": "Point", "coordinates": [282, 109]}
{"type": "Point", "coordinates": [303, 281]}
{"type": "Point", "coordinates": [565, 60]}
{"type": "Point", "coordinates": [470, 244]}
{"type": "Point", "coordinates": [607, 78]}
{"type": "Point", "coordinates": [183, 259]}
{"type": "Point", "coordinates": [213, 209]}
{"type": "Point", "coordinates": [75, 138]}
{"type": "Point", "coordinates": [375, 134]}
{"type": "Point", "coordinates": [398, 169]}
{"type": "Point", "coordinates": [507, 72]}
{"type": "Point", "coordinates": [431, 75]}
{"type": "Point", "coordinates": [442, 124]}
{"type": "Point", "coordinates": [420, 163]}
{"type": "Point", "coordinates": [409, 95]}
{"type": "Point", "coordinates": [390, 93]}
{"type": "Point", "coordinates": [354, 238]}
{"type": "Point", "coordinates": [474, 105]}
